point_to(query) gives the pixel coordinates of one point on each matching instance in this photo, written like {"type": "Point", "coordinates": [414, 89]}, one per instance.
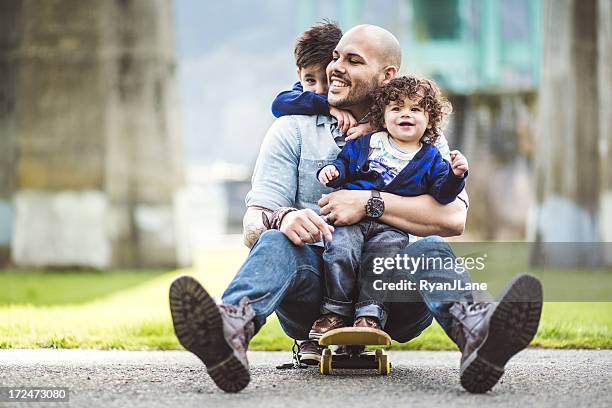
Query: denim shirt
{"type": "Point", "coordinates": [293, 150]}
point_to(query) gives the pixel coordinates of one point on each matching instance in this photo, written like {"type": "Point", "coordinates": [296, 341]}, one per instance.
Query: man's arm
{"type": "Point", "coordinates": [274, 185]}
{"type": "Point", "coordinates": [274, 181]}
{"type": "Point", "coordinates": [421, 215]}
{"type": "Point", "coordinates": [252, 225]}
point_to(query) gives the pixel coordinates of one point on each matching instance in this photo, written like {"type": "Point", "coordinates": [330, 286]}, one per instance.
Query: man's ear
{"type": "Point", "coordinates": [389, 73]}
{"type": "Point", "coordinates": [299, 74]}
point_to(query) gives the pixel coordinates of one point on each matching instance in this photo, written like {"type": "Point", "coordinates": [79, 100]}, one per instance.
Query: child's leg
{"type": "Point", "coordinates": [341, 261]}
{"type": "Point", "coordinates": [382, 241]}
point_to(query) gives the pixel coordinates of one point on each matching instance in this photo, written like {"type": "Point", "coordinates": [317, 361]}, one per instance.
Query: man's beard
{"type": "Point", "coordinates": [357, 95]}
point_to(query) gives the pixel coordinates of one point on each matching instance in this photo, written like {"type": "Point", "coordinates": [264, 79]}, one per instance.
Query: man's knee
{"type": "Point", "coordinates": [275, 242]}
{"type": "Point", "coordinates": [272, 237]}
{"type": "Point", "coordinates": [302, 264]}
{"type": "Point", "coordinates": [407, 332]}
{"type": "Point", "coordinates": [430, 245]}
{"type": "Point", "coordinates": [433, 239]}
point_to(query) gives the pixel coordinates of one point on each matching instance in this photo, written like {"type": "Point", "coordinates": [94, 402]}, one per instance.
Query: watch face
{"type": "Point", "coordinates": [375, 207]}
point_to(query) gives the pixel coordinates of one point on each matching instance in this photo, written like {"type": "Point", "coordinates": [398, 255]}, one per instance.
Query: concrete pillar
{"type": "Point", "coordinates": [604, 75]}
{"type": "Point", "coordinates": [9, 40]}
{"type": "Point", "coordinates": [569, 144]}
{"type": "Point", "coordinates": [95, 131]}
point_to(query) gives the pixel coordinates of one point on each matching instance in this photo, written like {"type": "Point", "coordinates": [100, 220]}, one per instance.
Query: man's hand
{"type": "Point", "coordinates": [328, 173]}
{"type": "Point", "coordinates": [459, 163]}
{"type": "Point", "coordinates": [344, 207]}
{"type": "Point", "coordinates": [305, 227]}
{"type": "Point", "coordinates": [345, 119]}
{"type": "Point", "coordinates": [358, 131]}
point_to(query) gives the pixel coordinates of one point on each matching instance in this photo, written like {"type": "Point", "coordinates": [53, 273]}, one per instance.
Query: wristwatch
{"type": "Point", "coordinates": [375, 206]}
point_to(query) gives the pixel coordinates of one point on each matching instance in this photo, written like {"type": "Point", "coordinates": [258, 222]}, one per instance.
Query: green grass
{"type": "Point", "coordinates": [129, 310]}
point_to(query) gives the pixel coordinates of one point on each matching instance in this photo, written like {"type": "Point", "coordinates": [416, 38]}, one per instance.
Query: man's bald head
{"type": "Point", "coordinates": [380, 41]}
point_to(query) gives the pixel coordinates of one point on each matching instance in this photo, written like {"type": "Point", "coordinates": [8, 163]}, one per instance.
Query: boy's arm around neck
{"type": "Point", "coordinates": [299, 102]}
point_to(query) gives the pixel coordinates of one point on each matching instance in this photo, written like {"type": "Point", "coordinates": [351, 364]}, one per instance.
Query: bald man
{"type": "Point", "coordinates": [284, 226]}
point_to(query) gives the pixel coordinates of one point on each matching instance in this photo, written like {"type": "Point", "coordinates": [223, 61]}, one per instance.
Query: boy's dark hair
{"type": "Point", "coordinates": [425, 91]}
{"type": "Point", "coordinates": [316, 45]}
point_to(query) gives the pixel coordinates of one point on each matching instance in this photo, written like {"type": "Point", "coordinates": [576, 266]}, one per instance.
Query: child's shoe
{"type": "Point", "coordinates": [325, 323]}
{"type": "Point", "coordinates": [366, 321]}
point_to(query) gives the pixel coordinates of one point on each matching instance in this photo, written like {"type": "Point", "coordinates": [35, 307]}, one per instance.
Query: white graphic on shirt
{"type": "Point", "coordinates": [385, 158]}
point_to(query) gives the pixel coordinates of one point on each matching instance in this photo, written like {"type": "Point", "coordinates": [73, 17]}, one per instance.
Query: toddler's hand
{"type": "Point", "coordinates": [345, 119]}
{"type": "Point", "coordinates": [459, 163]}
{"type": "Point", "coordinates": [328, 173]}
{"type": "Point", "coordinates": [358, 131]}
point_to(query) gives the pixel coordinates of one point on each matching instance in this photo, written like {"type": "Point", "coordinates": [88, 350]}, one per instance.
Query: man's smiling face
{"type": "Point", "coordinates": [353, 73]}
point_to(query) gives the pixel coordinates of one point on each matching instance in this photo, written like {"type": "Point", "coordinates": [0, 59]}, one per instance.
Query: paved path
{"type": "Point", "coordinates": [174, 379]}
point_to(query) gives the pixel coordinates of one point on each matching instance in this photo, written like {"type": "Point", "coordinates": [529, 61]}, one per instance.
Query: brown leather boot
{"type": "Point", "coordinates": [366, 321]}
{"type": "Point", "coordinates": [489, 334]}
{"type": "Point", "coordinates": [325, 323]}
{"type": "Point", "coordinates": [218, 335]}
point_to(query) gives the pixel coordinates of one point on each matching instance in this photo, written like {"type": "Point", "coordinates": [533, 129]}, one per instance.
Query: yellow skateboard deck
{"type": "Point", "coordinates": [353, 355]}
{"type": "Point", "coordinates": [355, 336]}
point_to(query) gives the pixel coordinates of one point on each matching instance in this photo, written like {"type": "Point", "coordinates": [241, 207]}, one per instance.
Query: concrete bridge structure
{"type": "Point", "coordinates": [90, 149]}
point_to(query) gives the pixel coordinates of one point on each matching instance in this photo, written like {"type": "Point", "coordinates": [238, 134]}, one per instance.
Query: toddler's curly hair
{"type": "Point", "coordinates": [424, 91]}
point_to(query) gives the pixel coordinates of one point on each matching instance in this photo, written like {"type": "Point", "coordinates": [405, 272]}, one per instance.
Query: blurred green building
{"type": "Point", "coordinates": [485, 54]}
{"type": "Point", "coordinates": [466, 45]}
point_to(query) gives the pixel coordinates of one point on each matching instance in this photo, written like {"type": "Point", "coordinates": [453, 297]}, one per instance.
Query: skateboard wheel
{"type": "Point", "coordinates": [384, 365]}
{"type": "Point", "coordinates": [326, 362]}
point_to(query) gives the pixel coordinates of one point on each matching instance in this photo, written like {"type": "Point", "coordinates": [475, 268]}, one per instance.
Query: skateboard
{"type": "Point", "coordinates": [352, 353]}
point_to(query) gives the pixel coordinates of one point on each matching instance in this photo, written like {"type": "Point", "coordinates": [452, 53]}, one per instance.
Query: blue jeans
{"type": "Point", "coordinates": [291, 277]}
{"type": "Point", "coordinates": [345, 293]}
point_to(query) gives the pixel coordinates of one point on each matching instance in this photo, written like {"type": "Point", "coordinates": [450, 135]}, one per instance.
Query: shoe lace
{"type": "Point", "coordinates": [370, 322]}
{"type": "Point", "coordinates": [475, 307]}
{"type": "Point", "coordinates": [459, 312]}
{"type": "Point", "coordinates": [330, 318]}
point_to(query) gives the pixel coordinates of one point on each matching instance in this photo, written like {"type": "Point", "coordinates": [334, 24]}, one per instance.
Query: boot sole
{"type": "Point", "coordinates": [514, 322]}
{"type": "Point", "coordinates": [199, 328]}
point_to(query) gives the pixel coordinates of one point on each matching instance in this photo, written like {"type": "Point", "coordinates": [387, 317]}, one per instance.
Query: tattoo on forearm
{"type": "Point", "coordinates": [253, 226]}
{"type": "Point", "coordinates": [251, 233]}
